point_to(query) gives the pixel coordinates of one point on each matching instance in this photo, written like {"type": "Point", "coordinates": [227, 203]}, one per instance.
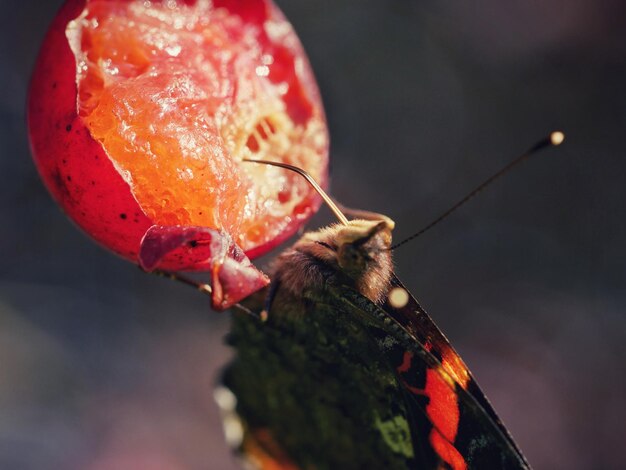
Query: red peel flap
{"type": "Point", "coordinates": [233, 276]}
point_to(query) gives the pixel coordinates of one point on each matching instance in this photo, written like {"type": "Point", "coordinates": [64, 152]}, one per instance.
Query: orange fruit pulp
{"type": "Point", "coordinates": [178, 94]}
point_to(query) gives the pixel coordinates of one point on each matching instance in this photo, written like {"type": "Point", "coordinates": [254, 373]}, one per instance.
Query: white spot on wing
{"type": "Point", "coordinates": [225, 399]}
{"type": "Point", "coordinates": [398, 297]}
{"type": "Point", "coordinates": [233, 429]}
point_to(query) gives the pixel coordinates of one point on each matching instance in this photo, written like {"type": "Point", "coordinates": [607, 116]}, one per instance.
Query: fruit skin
{"type": "Point", "coordinates": [233, 277]}
{"type": "Point", "coordinates": [76, 169]}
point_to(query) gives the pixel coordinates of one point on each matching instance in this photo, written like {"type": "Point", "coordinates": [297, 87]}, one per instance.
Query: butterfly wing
{"type": "Point", "coordinates": [465, 431]}
{"type": "Point", "coordinates": [420, 328]}
{"type": "Point", "coordinates": [333, 381]}
{"type": "Point", "coordinates": [313, 391]}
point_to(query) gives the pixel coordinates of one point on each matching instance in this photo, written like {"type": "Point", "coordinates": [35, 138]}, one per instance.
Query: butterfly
{"type": "Point", "coordinates": [338, 366]}
{"type": "Point", "coordinates": [341, 367]}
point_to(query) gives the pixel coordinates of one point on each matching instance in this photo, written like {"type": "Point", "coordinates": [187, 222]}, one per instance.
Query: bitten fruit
{"type": "Point", "coordinates": [141, 112]}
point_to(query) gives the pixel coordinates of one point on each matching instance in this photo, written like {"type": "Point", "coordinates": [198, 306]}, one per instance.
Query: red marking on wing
{"type": "Point", "coordinates": [263, 451]}
{"type": "Point", "coordinates": [442, 410]}
{"type": "Point", "coordinates": [406, 362]}
{"type": "Point", "coordinates": [447, 451]}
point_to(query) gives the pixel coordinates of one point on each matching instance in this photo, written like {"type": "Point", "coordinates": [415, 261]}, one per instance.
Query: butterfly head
{"type": "Point", "coordinates": [361, 243]}
{"type": "Point", "coordinates": [358, 252]}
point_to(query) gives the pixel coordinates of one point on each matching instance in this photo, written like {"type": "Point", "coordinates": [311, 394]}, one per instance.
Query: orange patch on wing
{"type": "Point", "coordinates": [443, 411]}
{"type": "Point", "coordinates": [442, 408]}
{"type": "Point", "coordinates": [264, 452]}
{"type": "Point", "coordinates": [454, 365]}
{"type": "Point", "coordinates": [447, 451]}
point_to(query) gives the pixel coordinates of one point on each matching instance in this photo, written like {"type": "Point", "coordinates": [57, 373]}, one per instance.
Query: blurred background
{"type": "Point", "coordinates": [103, 367]}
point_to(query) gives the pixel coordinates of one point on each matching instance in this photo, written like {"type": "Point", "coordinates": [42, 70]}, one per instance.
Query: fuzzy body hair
{"type": "Point", "coordinates": [356, 254]}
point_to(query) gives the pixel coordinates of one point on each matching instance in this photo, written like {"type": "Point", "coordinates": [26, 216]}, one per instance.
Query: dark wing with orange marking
{"type": "Point", "coordinates": [313, 378]}
{"type": "Point", "coordinates": [338, 382]}
{"type": "Point", "coordinates": [466, 429]}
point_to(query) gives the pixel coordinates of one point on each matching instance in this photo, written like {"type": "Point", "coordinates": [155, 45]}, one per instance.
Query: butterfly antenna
{"type": "Point", "coordinates": [329, 202]}
{"type": "Point", "coordinates": [554, 139]}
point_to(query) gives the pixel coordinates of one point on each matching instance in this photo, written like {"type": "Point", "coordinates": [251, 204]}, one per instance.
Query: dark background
{"type": "Point", "coordinates": [103, 367]}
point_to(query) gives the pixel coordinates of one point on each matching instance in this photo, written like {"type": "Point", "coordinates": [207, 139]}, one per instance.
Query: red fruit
{"type": "Point", "coordinates": [140, 114]}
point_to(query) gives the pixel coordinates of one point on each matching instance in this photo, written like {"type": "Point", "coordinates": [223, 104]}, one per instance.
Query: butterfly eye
{"type": "Point", "coordinates": [326, 245]}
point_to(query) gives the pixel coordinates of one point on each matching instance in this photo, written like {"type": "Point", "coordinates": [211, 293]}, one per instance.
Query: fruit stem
{"type": "Point", "coordinates": [200, 286]}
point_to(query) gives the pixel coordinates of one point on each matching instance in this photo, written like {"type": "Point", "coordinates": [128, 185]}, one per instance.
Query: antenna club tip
{"type": "Point", "coordinates": [557, 138]}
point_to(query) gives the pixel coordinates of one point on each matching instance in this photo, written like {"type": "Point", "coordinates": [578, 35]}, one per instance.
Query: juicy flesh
{"type": "Point", "coordinates": [178, 95]}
